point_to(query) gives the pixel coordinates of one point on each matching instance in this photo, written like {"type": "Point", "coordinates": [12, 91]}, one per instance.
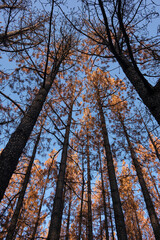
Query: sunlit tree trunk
{"type": "Point", "coordinates": [149, 204]}
{"type": "Point", "coordinates": [118, 213]}
{"type": "Point", "coordinates": [11, 231]}
{"type": "Point", "coordinates": [58, 205]}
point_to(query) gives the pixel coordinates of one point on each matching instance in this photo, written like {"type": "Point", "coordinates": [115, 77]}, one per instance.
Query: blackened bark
{"type": "Point", "coordinates": [149, 95]}
{"type": "Point", "coordinates": [149, 204]}
{"type": "Point", "coordinates": [58, 205]}
{"type": "Point", "coordinates": [118, 213]}
{"type": "Point", "coordinates": [13, 150]}
{"type": "Point", "coordinates": [104, 197]}
{"type": "Point", "coordinates": [11, 231]}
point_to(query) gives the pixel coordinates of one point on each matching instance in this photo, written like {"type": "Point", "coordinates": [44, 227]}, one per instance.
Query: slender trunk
{"type": "Point", "coordinates": [118, 213]}
{"type": "Point", "coordinates": [149, 204]}
{"type": "Point", "coordinates": [56, 217]}
{"type": "Point", "coordinates": [13, 150]}
{"type": "Point", "coordinates": [11, 231]}
{"type": "Point", "coordinates": [69, 214]}
{"type": "Point", "coordinates": [104, 197]}
{"type": "Point", "coordinates": [90, 233]}
{"type": "Point", "coordinates": [82, 197]}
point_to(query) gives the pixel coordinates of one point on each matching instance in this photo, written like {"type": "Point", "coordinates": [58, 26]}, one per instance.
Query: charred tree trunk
{"type": "Point", "coordinates": [150, 95]}
{"type": "Point", "coordinates": [13, 150]}
{"type": "Point", "coordinates": [149, 204]}
{"type": "Point", "coordinates": [58, 205]}
{"type": "Point", "coordinates": [11, 231]}
{"type": "Point", "coordinates": [118, 213]}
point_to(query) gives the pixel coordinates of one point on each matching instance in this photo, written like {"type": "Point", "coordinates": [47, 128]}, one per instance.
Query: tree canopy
{"type": "Point", "coordinates": [80, 116]}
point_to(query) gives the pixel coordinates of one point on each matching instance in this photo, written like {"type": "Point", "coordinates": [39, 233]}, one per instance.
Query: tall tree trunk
{"type": "Point", "coordinates": [69, 214]}
{"type": "Point", "coordinates": [118, 213]}
{"type": "Point", "coordinates": [58, 205]}
{"type": "Point", "coordinates": [13, 150]}
{"type": "Point", "coordinates": [149, 204]}
{"type": "Point", "coordinates": [89, 230]}
{"type": "Point", "coordinates": [82, 197]}
{"type": "Point", "coordinates": [149, 95]}
{"type": "Point", "coordinates": [104, 197]}
{"type": "Point", "coordinates": [11, 231]}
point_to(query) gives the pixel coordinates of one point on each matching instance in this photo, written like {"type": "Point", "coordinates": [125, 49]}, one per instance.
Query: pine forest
{"type": "Point", "coordinates": [80, 120]}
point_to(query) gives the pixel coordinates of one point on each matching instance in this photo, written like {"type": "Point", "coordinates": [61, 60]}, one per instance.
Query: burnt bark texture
{"type": "Point", "coordinates": [14, 148]}
{"type": "Point", "coordinates": [11, 231]}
